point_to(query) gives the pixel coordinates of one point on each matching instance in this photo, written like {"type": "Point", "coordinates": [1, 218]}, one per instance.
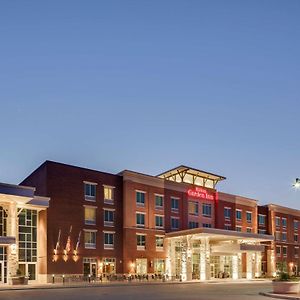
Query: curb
{"type": "Point", "coordinates": [105, 285]}
{"type": "Point", "coordinates": [278, 296]}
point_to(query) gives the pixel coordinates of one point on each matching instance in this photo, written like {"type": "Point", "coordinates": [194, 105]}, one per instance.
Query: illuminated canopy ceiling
{"type": "Point", "coordinates": [192, 176]}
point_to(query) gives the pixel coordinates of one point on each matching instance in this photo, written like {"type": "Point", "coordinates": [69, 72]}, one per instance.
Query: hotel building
{"type": "Point", "coordinates": [175, 224]}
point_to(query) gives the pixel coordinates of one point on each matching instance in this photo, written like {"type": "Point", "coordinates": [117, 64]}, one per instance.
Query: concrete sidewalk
{"type": "Point", "coordinates": [123, 283]}
{"type": "Point", "coordinates": [282, 296]}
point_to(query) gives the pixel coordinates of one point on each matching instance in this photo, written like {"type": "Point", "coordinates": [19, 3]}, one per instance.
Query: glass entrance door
{"type": "Point", "coordinates": [141, 266]}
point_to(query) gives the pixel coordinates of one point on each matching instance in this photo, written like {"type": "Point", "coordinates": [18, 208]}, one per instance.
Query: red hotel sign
{"type": "Point", "coordinates": [200, 193]}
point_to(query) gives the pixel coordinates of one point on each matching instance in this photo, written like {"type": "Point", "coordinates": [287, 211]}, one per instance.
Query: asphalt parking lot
{"type": "Point", "coordinates": [200, 291]}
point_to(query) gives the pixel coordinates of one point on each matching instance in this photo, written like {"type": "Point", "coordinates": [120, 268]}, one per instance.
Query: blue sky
{"type": "Point", "coordinates": [148, 85]}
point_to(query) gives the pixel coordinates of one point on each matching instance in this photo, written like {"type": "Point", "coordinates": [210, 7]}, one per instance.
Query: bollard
{"type": "Point", "coordinates": [89, 278]}
{"type": "Point", "coordinates": [53, 280]}
{"type": "Point", "coordinates": [64, 279]}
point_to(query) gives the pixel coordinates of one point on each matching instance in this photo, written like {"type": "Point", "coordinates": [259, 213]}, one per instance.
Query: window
{"type": "Point", "coordinates": [238, 228]}
{"type": "Point", "coordinates": [108, 194]}
{"type": "Point", "coordinates": [174, 223]}
{"type": "Point", "coordinates": [140, 220]}
{"type": "Point", "coordinates": [249, 216]}
{"type": "Point", "coordinates": [296, 252]}
{"type": "Point", "coordinates": [238, 214]}
{"type": "Point", "coordinates": [89, 215]}
{"type": "Point", "coordinates": [90, 191]}
{"type": "Point", "coordinates": [193, 208]}
{"type": "Point", "coordinates": [249, 229]}
{"type": "Point", "coordinates": [90, 239]}
{"type": "Point", "coordinates": [277, 221]}
{"type": "Point", "coordinates": [227, 212]}
{"type": "Point", "coordinates": [296, 238]}
{"type": "Point", "coordinates": [206, 225]}
{"type": "Point", "coordinates": [108, 240]}
{"type": "Point", "coordinates": [284, 222]}
{"type": "Point", "coordinates": [278, 251]}
{"type": "Point", "coordinates": [284, 251]}
{"type": "Point", "coordinates": [159, 243]}
{"type": "Point", "coordinates": [262, 220]}
{"type": "Point", "coordinates": [108, 217]}
{"type": "Point", "coordinates": [159, 266]}
{"type": "Point", "coordinates": [140, 198]}
{"type": "Point", "coordinates": [159, 221]}
{"type": "Point", "coordinates": [283, 236]}
{"type": "Point", "coordinates": [174, 204]}
{"type": "Point", "coordinates": [193, 224]}
{"type": "Point", "coordinates": [277, 235]}
{"type": "Point", "coordinates": [262, 231]}
{"type": "Point", "coordinates": [227, 227]}
{"type": "Point", "coordinates": [141, 241]}
{"type": "Point", "coordinates": [206, 210]}
{"type": "Point", "coordinates": [159, 201]}
{"type": "Point", "coordinates": [296, 224]}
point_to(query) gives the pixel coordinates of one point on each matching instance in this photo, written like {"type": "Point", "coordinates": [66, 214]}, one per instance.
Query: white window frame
{"type": "Point", "coordinates": [277, 218]}
{"type": "Point", "coordinates": [138, 204]}
{"type": "Point", "coordinates": [92, 207]}
{"type": "Point", "coordinates": [159, 249]}
{"type": "Point", "coordinates": [140, 225]}
{"type": "Point", "coordinates": [237, 226]}
{"type": "Point", "coordinates": [88, 197]}
{"type": "Point", "coordinates": [284, 226]}
{"type": "Point", "coordinates": [90, 246]}
{"type": "Point", "coordinates": [163, 221]}
{"type": "Point", "coordinates": [228, 209]}
{"type": "Point", "coordinates": [108, 223]}
{"type": "Point", "coordinates": [175, 218]}
{"type": "Point", "coordinates": [140, 247]}
{"type": "Point", "coordinates": [175, 210]}
{"type": "Point", "coordinates": [250, 213]}
{"type": "Point", "coordinates": [278, 254]}
{"type": "Point", "coordinates": [238, 210]}
{"type": "Point", "coordinates": [109, 246]}
{"type": "Point", "coordinates": [296, 255]}
{"type": "Point", "coordinates": [163, 201]}
{"type": "Point", "coordinates": [264, 218]}
{"type": "Point", "coordinates": [211, 210]}
{"type": "Point", "coordinates": [250, 229]}
{"type": "Point", "coordinates": [284, 232]}
{"type": "Point", "coordinates": [284, 247]}
{"type": "Point", "coordinates": [109, 201]}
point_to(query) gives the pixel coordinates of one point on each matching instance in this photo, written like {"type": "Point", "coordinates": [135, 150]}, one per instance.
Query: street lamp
{"type": "Point", "coordinates": [297, 183]}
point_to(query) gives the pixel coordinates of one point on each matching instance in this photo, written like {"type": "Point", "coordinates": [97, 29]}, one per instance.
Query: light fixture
{"type": "Point", "coordinates": [297, 183]}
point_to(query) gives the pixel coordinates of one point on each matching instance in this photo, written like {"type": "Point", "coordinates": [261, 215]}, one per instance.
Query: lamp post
{"type": "Point", "coordinates": [297, 183]}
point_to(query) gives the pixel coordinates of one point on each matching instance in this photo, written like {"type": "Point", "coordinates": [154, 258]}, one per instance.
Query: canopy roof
{"type": "Point", "coordinates": [191, 175]}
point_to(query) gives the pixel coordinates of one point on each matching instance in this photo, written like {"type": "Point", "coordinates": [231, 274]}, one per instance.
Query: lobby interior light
{"type": "Point", "coordinates": [297, 183]}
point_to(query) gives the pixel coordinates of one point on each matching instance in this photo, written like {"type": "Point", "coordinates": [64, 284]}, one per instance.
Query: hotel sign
{"type": "Point", "coordinates": [198, 192]}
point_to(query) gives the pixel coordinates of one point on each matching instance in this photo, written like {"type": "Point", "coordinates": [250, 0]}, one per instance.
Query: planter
{"type": "Point", "coordinates": [286, 287]}
{"type": "Point", "coordinates": [19, 280]}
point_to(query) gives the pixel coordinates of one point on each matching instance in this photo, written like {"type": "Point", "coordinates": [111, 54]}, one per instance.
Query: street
{"type": "Point", "coordinates": [200, 291]}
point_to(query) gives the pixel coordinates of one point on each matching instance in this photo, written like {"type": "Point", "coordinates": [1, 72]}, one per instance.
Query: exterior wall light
{"type": "Point", "coordinates": [296, 184]}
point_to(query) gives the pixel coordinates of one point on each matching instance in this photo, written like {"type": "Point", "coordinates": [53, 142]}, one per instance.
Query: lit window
{"type": "Point", "coordinates": [284, 251]}
{"type": "Point", "coordinates": [108, 194]}
{"type": "Point", "coordinates": [140, 241]}
{"type": "Point", "coordinates": [108, 240]}
{"type": "Point", "coordinates": [159, 221]}
{"type": "Point", "coordinates": [206, 210]}
{"type": "Point", "coordinates": [140, 220]}
{"type": "Point", "coordinates": [90, 191]}
{"type": "Point", "coordinates": [159, 201]}
{"type": "Point", "coordinates": [262, 220]}
{"type": "Point", "coordinates": [238, 214]}
{"type": "Point", "coordinates": [238, 228]}
{"type": "Point", "coordinates": [193, 208]}
{"type": "Point", "coordinates": [227, 212]}
{"type": "Point", "coordinates": [193, 224]}
{"type": "Point", "coordinates": [174, 204]}
{"type": "Point", "coordinates": [277, 221]}
{"type": "Point", "coordinates": [159, 242]}
{"type": "Point", "coordinates": [174, 223]}
{"type": "Point", "coordinates": [283, 236]}
{"type": "Point", "coordinates": [140, 198]}
{"type": "Point", "coordinates": [108, 217]}
{"type": "Point", "coordinates": [159, 266]}
{"type": "Point", "coordinates": [90, 239]}
{"type": "Point", "coordinates": [284, 222]}
{"type": "Point", "coordinates": [249, 216]}
{"type": "Point", "coordinates": [90, 215]}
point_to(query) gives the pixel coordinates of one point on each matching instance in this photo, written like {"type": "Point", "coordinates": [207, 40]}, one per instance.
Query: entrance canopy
{"type": "Point", "coordinates": [224, 242]}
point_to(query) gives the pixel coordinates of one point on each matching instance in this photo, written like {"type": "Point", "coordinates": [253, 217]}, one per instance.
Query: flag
{"type": "Point", "coordinates": [68, 244]}
{"type": "Point", "coordinates": [58, 240]}
{"type": "Point", "coordinates": [78, 241]}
